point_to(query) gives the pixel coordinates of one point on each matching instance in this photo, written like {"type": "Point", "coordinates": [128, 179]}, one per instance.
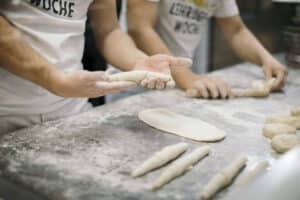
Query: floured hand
{"type": "Point", "coordinates": [160, 64]}
{"type": "Point", "coordinates": [83, 83]}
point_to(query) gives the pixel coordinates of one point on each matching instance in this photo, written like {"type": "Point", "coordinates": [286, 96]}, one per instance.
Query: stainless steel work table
{"type": "Point", "coordinates": [90, 156]}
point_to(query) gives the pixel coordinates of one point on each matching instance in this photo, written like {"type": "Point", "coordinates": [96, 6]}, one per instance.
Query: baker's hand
{"type": "Point", "coordinates": [273, 69]}
{"type": "Point", "coordinates": [161, 64]}
{"type": "Point", "coordinates": [86, 84]}
{"type": "Point", "coordinates": [208, 87]}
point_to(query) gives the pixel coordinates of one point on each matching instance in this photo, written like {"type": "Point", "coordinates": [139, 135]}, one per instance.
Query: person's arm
{"type": "Point", "coordinates": [118, 47]}
{"type": "Point", "coordinates": [142, 17]}
{"type": "Point", "coordinates": [248, 48]}
{"type": "Point", "coordinates": [115, 45]}
{"type": "Point", "coordinates": [19, 58]}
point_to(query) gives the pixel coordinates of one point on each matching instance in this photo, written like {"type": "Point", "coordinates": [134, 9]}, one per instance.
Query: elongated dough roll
{"type": "Point", "coordinates": [223, 178]}
{"type": "Point", "coordinates": [160, 158]}
{"type": "Point", "coordinates": [295, 111]}
{"type": "Point", "coordinates": [290, 120]}
{"type": "Point", "coordinates": [259, 88]}
{"type": "Point", "coordinates": [273, 129]}
{"type": "Point", "coordinates": [138, 76]}
{"type": "Point", "coordinates": [180, 166]}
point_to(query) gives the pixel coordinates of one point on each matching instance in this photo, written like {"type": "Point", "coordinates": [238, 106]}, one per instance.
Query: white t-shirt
{"type": "Point", "coordinates": [180, 21]}
{"type": "Point", "coordinates": [55, 29]}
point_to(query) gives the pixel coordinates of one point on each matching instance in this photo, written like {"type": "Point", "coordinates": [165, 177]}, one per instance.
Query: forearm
{"type": "Point", "coordinates": [20, 59]}
{"type": "Point", "coordinates": [149, 41]}
{"type": "Point", "coordinates": [248, 48]}
{"type": "Point", "coordinates": [120, 50]}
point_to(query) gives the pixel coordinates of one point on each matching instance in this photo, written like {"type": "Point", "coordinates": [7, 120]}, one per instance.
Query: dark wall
{"type": "Point", "coordinates": [264, 18]}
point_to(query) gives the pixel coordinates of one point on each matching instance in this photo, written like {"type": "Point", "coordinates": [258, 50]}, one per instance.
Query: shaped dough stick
{"type": "Point", "coordinates": [256, 171]}
{"type": "Point", "coordinates": [160, 158]}
{"type": "Point", "coordinates": [283, 143]}
{"type": "Point", "coordinates": [195, 129]}
{"type": "Point", "coordinates": [273, 129]}
{"type": "Point", "coordinates": [138, 76]}
{"type": "Point", "coordinates": [295, 111]}
{"type": "Point", "coordinates": [258, 89]}
{"type": "Point", "coordinates": [250, 92]}
{"type": "Point", "coordinates": [290, 120]}
{"type": "Point", "coordinates": [223, 178]}
{"type": "Point", "coordinates": [180, 166]}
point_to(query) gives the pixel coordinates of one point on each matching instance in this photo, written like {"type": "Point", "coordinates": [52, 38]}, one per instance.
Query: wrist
{"type": "Point", "coordinates": [185, 78]}
{"type": "Point", "coordinates": [54, 81]}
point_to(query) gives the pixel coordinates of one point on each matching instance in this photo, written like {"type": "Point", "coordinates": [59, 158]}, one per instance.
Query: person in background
{"type": "Point", "coordinates": [173, 27]}
{"type": "Point", "coordinates": [41, 44]}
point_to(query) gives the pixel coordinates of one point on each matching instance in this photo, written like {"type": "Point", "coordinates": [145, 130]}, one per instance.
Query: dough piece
{"type": "Point", "coordinates": [160, 158]}
{"type": "Point", "coordinates": [195, 129]}
{"type": "Point", "coordinates": [283, 143]}
{"type": "Point", "coordinates": [180, 166]}
{"type": "Point", "coordinates": [290, 120]}
{"type": "Point", "coordinates": [138, 76]}
{"type": "Point", "coordinates": [223, 178]}
{"type": "Point", "coordinates": [295, 111]}
{"type": "Point", "coordinates": [256, 171]}
{"type": "Point", "coordinates": [273, 129]}
{"type": "Point", "coordinates": [258, 88]}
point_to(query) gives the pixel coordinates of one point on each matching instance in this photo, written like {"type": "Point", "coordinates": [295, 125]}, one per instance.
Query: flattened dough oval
{"type": "Point", "coordinates": [187, 127]}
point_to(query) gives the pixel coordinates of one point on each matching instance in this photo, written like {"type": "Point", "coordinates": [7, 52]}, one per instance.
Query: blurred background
{"type": "Point", "coordinates": [266, 19]}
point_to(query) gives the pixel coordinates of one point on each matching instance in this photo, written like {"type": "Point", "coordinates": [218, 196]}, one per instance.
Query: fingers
{"type": "Point", "coordinates": [280, 79]}
{"type": "Point", "coordinates": [153, 83]}
{"type": "Point", "coordinates": [213, 89]}
{"type": "Point", "coordinates": [171, 84]}
{"type": "Point", "coordinates": [210, 87]}
{"type": "Point", "coordinates": [202, 89]}
{"type": "Point", "coordinates": [223, 90]}
{"type": "Point", "coordinates": [268, 73]}
{"type": "Point", "coordinates": [275, 69]}
{"type": "Point", "coordinates": [157, 81]}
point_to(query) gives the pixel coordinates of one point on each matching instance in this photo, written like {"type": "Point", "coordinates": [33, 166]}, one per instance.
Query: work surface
{"type": "Point", "coordinates": [90, 156]}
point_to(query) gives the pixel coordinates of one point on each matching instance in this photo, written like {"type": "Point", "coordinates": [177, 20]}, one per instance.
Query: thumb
{"type": "Point", "coordinates": [267, 72]}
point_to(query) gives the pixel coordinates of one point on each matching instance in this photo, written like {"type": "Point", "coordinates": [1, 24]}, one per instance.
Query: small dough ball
{"type": "Point", "coordinates": [295, 111]}
{"type": "Point", "coordinates": [273, 129]}
{"type": "Point", "coordinates": [283, 143]}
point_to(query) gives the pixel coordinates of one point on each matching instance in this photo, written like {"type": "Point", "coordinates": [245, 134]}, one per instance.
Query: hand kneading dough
{"type": "Point", "coordinates": [195, 129]}
{"type": "Point", "coordinates": [259, 88]}
{"type": "Point", "coordinates": [290, 120]}
{"type": "Point", "coordinates": [295, 111]}
{"type": "Point", "coordinates": [273, 129]}
{"type": "Point", "coordinates": [283, 143]}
